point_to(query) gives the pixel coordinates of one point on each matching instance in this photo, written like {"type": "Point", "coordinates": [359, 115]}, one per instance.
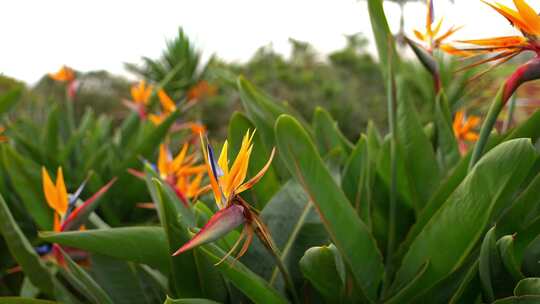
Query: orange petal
{"type": "Point", "coordinates": [471, 136]}
{"type": "Point", "coordinates": [529, 15]}
{"type": "Point", "coordinates": [419, 35]}
{"type": "Point", "coordinates": [223, 160]}
{"type": "Point", "coordinates": [61, 192]}
{"type": "Point", "coordinates": [511, 15]}
{"type": "Point", "coordinates": [49, 189]}
{"type": "Point", "coordinates": [166, 102]}
{"type": "Point", "coordinates": [507, 41]}
{"type": "Point", "coordinates": [179, 159]}
{"type": "Point", "coordinates": [163, 161]}
{"type": "Point", "coordinates": [258, 176]}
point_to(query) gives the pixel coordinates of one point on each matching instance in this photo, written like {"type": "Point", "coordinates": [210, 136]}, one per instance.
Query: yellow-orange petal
{"type": "Point", "coordinates": [512, 16]}
{"type": "Point", "coordinates": [223, 160]}
{"type": "Point", "coordinates": [529, 15]}
{"type": "Point", "coordinates": [163, 161]}
{"type": "Point", "coordinates": [471, 136]}
{"type": "Point", "coordinates": [166, 102]}
{"type": "Point", "coordinates": [419, 35]}
{"type": "Point", "coordinates": [180, 158]}
{"type": "Point", "coordinates": [247, 185]}
{"type": "Point", "coordinates": [49, 189]}
{"type": "Point", "coordinates": [61, 193]}
{"type": "Point", "coordinates": [506, 41]}
{"type": "Point", "coordinates": [156, 119]}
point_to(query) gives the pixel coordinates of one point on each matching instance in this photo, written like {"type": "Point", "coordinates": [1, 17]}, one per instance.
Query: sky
{"type": "Point", "coordinates": [39, 36]}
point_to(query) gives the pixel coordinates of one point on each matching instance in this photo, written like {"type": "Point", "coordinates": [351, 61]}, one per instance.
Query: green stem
{"type": "Point", "coordinates": [491, 118]}
{"type": "Point", "coordinates": [511, 110]}
{"type": "Point", "coordinates": [284, 272]}
{"type": "Point", "coordinates": [392, 106]}
{"type": "Point", "coordinates": [70, 113]}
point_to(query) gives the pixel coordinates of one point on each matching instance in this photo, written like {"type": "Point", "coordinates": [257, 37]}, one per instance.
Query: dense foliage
{"type": "Point", "coordinates": [369, 184]}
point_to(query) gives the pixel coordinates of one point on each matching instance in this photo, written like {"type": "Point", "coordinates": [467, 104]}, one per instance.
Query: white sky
{"type": "Point", "coordinates": [39, 36]}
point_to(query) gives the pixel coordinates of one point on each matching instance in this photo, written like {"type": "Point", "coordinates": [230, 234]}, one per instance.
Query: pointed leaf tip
{"type": "Point", "coordinates": [221, 223]}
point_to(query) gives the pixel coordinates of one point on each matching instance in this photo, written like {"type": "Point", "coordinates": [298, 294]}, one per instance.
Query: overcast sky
{"type": "Point", "coordinates": [39, 36]}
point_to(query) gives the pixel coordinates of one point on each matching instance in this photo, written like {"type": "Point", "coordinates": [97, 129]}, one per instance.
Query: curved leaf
{"type": "Point", "coordinates": [468, 211]}
{"type": "Point", "coordinates": [145, 245]}
{"type": "Point", "coordinates": [348, 232]}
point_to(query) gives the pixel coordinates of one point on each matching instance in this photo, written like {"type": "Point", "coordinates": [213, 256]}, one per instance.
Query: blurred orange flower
{"type": "Point", "coordinates": [65, 74]}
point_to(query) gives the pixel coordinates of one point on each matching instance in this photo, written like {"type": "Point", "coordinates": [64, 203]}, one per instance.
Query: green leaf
{"type": "Point", "coordinates": [524, 209]}
{"type": "Point", "coordinates": [253, 286]}
{"type": "Point", "coordinates": [348, 232]}
{"type": "Point", "coordinates": [421, 166]}
{"type": "Point", "coordinates": [191, 274]}
{"type": "Point", "coordinates": [51, 133]}
{"type": "Point", "coordinates": [327, 134]}
{"type": "Point", "coordinates": [471, 205]}
{"type": "Point", "coordinates": [528, 286]}
{"type": "Point", "coordinates": [145, 245]}
{"type": "Point", "coordinates": [489, 260]}
{"type": "Point", "coordinates": [85, 283]}
{"type": "Point", "coordinates": [408, 291]}
{"type": "Point", "coordinates": [263, 111]}
{"type": "Point", "coordinates": [529, 299]}
{"type": "Point", "coordinates": [383, 37]}
{"type": "Point", "coordinates": [20, 300]}
{"type": "Point", "coordinates": [148, 142]}
{"type": "Point", "coordinates": [357, 181]}
{"type": "Point", "coordinates": [26, 180]}
{"type": "Point", "coordinates": [10, 98]}
{"type": "Point", "coordinates": [23, 252]}
{"type": "Point", "coordinates": [506, 250]}
{"type": "Point", "coordinates": [123, 281]}
{"type": "Point", "coordinates": [268, 185]}
{"type": "Point", "coordinates": [189, 301]}
{"type": "Point", "coordinates": [469, 288]}
{"type": "Point", "coordinates": [448, 149]}
{"type": "Point", "coordinates": [320, 265]}
{"type": "Point", "coordinates": [295, 226]}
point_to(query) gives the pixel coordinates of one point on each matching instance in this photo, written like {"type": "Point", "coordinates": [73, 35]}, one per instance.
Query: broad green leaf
{"type": "Point", "coordinates": [10, 98]}
{"type": "Point", "coordinates": [357, 181]}
{"type": "Point", "coordinates": [85, 283]}
{"type": "Point", "coordinates": [148, 142]}
{"type": "Point", "coordinates": [527, 129]}
{"type": "Point", "coordinates": [21, 300]}
{"type": "Point", "coordinates": [23, 252]}
{"type": "Point", "coordinates": [421, 166]}
{"type": "Point", "coordinates": [528, 299]}
{"type": "Point", "coordinates": [407, 291]}
{"type": "Point", "coordinates": [253, 286]}
{"type": "Point", "coordinates": [506, 251]}
{"type": "Point", "coordinates": [448, 152]}
{"type": "Point", "coordinates": [528, 286]}
{"type": "Point", "coordinates": [348, 232]}
{"type": "Point", "coordinates": [320, 265]}
{"type": "Point", "coordinates": [295, 226]}
{"type": "Point", "coordinates": [327, 134]}
{"type": "Point", "coordinates": [189, 301]}
{"type": "Point", "coordinates": [488, 262]}
{"type": "Point", "coordinates": [122, 281]}
{"type": "Point", "coordinates": [145, 245]}
{"type": "Point", "coordinates": [383, 37]}
{"type": "Point", "coordinates": [471, 205]}
{"type": "Point", "coordinates": [51, 133]}
{"type": "Point", "coordinates": [469, 288]}
{"type": "Point", "coordinates": [26, 180]}
{"type": "Point", "coordinates": [268, 185]}
{"type": "Point", "coordinates": [384, 170]}
{"type": "Point", "coordinates": [263, 111]}
{"type": "Point", "coordinates": [191, 274]}
{"type": "Point", "coordinates": [524, 209]}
